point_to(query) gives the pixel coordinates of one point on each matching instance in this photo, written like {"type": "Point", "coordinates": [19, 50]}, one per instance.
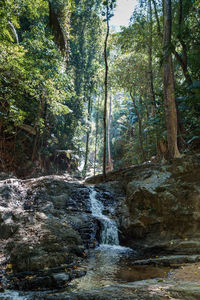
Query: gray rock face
{"type": "Point", "coordinates": [164, 207]}
{"type": "Point", "coordinates": [45, 223]}
{"type": "Point", "coordinates": [161, 205]}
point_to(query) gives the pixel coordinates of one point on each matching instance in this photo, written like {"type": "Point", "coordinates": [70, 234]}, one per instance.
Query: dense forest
{"type": "Point", "coordinates": [77, 95]}
{"type": "Point", "coordinates": [99, 150]}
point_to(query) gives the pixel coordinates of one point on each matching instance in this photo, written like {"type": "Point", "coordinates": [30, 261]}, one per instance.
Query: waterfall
{"type": "Point", "coordinates": [109, 232]}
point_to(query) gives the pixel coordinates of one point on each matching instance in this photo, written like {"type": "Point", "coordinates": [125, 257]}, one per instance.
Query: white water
{"type": "Point", "coordinates": [13, 295]}
{"type": "Point", "coordinates": [109, 232]}
{"type": "Point", "coordinates": [105, 262]}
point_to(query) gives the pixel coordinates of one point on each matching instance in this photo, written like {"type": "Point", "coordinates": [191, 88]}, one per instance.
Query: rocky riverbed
{"type": "Point", "coordinates": [48, 235]}
{"type": "Point", "coordinates": [46, 229]}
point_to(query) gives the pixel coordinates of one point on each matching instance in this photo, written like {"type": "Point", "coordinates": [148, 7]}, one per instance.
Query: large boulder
{"type": "Point", "coordinates": [160, 208]}
{"type": "Point", "coordinates": [45, 229]}
{"type": "Point", "coordinates": [164, 206]}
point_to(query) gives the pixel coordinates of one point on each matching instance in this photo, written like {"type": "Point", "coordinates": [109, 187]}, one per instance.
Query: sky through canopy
{"type": "Point", "coordinates": [123, 12]}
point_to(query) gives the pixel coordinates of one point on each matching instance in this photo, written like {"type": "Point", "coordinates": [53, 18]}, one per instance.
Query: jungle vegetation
{"type": "Point", "coordinates": [74, 92]}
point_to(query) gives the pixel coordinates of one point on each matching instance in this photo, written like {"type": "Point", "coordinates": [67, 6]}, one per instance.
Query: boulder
{"type": "Point", "coordinates": [159, 204]}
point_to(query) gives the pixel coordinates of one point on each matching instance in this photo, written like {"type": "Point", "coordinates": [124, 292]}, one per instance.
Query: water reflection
{"type": "Point", "coordinates": [109, 265]}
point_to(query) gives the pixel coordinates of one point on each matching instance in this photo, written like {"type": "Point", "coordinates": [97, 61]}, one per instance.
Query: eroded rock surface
{"type": "Point", "coordinates": [161, 205]}
{"type": "Point", "coordinates": [45, 224]}
{"type": "Point", "coordinates": [46, 227]}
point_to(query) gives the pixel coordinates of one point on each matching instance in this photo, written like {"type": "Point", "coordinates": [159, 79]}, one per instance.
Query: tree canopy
{"type": "Point", "coordinates": [52, 84]}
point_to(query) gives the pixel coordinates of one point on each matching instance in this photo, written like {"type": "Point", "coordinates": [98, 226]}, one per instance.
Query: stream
{"type": "Point", "coordinates": [111, 263]}
{"type": "Point", "coordinates": [108, 264]}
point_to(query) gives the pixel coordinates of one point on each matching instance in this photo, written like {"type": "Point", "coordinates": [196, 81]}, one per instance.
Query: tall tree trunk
{"type": "Point", "coordinates": [106, 91]}
{"type": "Point", "coordinates": [96, 137]}
{"type": "Point", "coordinates": [168, 84]}
{"type": "Point", "coordinates": [35, 144]}
{"type": "Point", "coordinates": [151, 78]}
{"type": "Point", "coordinates": [152, 93]}
{"type": "Point", "coordinates": [182, 61]}
{"type": "Point", "coordinates": [110, 164]}
{"type": "Point", "coordinates": [87, 137]}
{"type": "Point", "coordinates": [36, 127]}
{"type": "Point", "coordinates": [157, 19]}
{"type": "Point", "coordinates": [138, 113]}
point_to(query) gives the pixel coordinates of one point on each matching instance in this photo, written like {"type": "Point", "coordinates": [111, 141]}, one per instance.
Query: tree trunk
{"type": "Point", "coordinates": [87, 137]}
{"type": "Point", "coordinates": [110, 164]}
{"type": "Point", "coordinates": [106, 92]}
{"type": "Point", "coordinates": [151, 85]}
{"type": "Point", "coordinates": [96, 137]}
{"type": "Point", "coordinates": [182, 59]}
{"type": "Point", "coordinates": [35, 144]}
{"type": "Point", "coordinates": [138, 113]}
{"type": "Point", "coordinates": [151, 78]}
{"type": "Point", "coordinates": [36, 127]}
{"type": "Point", "coordinates": [157, 19]}
{"type": "Point", "coordinates": [168, 84]}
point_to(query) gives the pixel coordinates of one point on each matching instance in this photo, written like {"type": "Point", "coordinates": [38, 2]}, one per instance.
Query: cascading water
{"type": "Point", "coordinates": [109, 232]}
{"type": "Point", "coordinates": [110, 259]}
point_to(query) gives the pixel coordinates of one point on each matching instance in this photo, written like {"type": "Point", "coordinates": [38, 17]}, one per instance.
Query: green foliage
{"type": "Point", "coordinates": [108, 6]}
{"type": "Point", "coordinates": [35, 90]}
{"type": "Point", "coordinates": [51, 79]}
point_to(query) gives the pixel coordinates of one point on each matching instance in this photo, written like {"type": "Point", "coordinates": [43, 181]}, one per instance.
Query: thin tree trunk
{"type": "Point", "coordinates": [87, 137]}
{"type": "Point", "coordinates": [152, 93]}
{"type": "Point", "coordinates": [138, 113]}
{"type": "Point", "coordinates": [182, 59]}
{"type": "Point", "coordinates": [110, 164]}
{"type": "Point", "coordinates": [35, 144]}
{"type": "Point", "coordinates": [106, 92]}
{"type": "Point", "coordinates": [96, 137]}
{"type": "Point", "coordinates": [168, 84]}
{"type": "Point", "coordinates": [40, 111]}
{"type": "Point", "coordinates": [157, 19]}
{"type": "Point", "coordinates": [151, 78]}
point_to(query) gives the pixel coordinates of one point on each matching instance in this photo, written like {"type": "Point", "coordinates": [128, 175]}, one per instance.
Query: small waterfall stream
{"type": "Point", "coordinates": [106, 263]}
{"type": "Point", "coordinates": [109, 232]}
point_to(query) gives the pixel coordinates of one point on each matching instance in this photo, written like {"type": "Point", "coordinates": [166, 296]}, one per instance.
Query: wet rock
{"type": "Point", "coordinates": [161, 211]}
{"type": "Point", "coordinates": [57, 244]}
{"type": "Point", "coordinates": [7, 229]}
{"type": "Point", "coordinates": [54, 230]}
{"type": "Point", "coordinates": [31, 284]}
{"type": "Point", "coordinates": [169, 260]}
{"type": "Point", "coordinates": [8, 226]}
{"type": "Point", "coordinates": [60, 279]}
{"type": "Point", "coordinates": [154, 289]}
{"type": "Point", "coordinates": [60, 201]}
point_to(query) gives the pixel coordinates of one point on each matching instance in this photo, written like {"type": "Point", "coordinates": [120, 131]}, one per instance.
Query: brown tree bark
{"type": "Point", "coordinates": [168, 85]}
{"type": "Point", "coordinates": [157, 19]}
{"type": "Point", "coordinates": [96, 137]}
{"type": "Point", "coordinates": [87, 138]}
{"type": "Point", "coordinates": [106, 92]}
{"type": "Point", "coordinates": [110, 164]}
{"type": "Point", "coordinates": [151, 85]}
{"type": "Point", "coordinates": [181, 60]}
